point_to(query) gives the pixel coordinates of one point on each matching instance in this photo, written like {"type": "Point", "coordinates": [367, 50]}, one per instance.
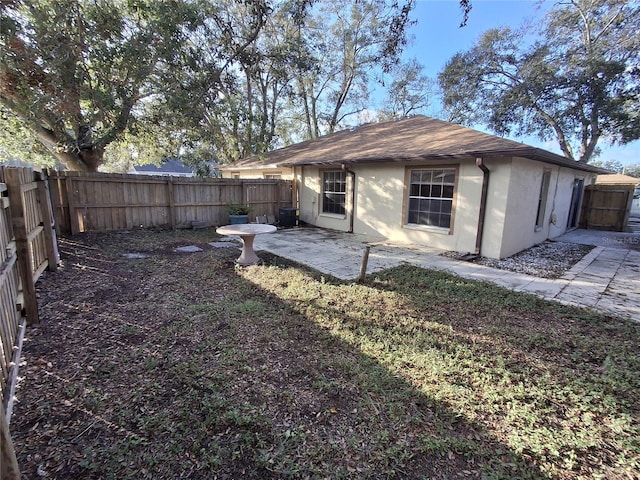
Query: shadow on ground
{"type": "Point", "coordinates": [178, 366]}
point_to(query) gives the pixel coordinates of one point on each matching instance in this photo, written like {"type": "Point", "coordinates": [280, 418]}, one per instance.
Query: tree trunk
{"type": "Point", "coordinates": [87, 160]}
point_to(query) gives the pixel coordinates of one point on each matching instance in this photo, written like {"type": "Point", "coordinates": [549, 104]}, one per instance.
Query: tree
{"type": "Point", "coordinates": [244, 116]}
{"type": "Point", "coordinates": [16, 143]}
{"type": "Point", "coordinates": [612, 165]}
{"type": "Point", "coordinates": [410, 91]}
{"type": "Point", "coordinates": [78, 73]}
{"type": "Point", "coordinates": [632, 170]}
{"type": "Point", "coordinates": [223, 111]}
{"type": "Point", "coordinates": [200, 79]}
{"type": "Point", "coordinates": [295, 74]}
{"type": "Point", "coordinates": [346, 42]}
{"type": "Point", "coordinates": [578, 83]}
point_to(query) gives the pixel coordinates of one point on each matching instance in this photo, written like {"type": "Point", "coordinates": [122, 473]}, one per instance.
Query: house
{"type": "Point", "coordinates": [430, 182]}
{"type": "Point", "coordinates": [252, 167]}
{"type": "Point", "coordinates": [172, 166]}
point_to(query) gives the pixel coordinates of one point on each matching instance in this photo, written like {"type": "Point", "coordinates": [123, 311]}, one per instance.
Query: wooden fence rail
{"type": "Point", "coordinates": [27, 247]}
{"type": "Point", "coordinates": [33, 207]}
{"type": "Point", "coordinates": [606, 207]}
{"type": "Point", "coordinates": [100, 202]}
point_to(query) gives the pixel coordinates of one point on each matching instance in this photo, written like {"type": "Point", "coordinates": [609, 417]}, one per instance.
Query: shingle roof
{"type": "Point", "coordinates": [617, 179]}
{"type": "Point", "coordinates": [172, 165]}
{"type": "Point", "coordinates": [408, 139]}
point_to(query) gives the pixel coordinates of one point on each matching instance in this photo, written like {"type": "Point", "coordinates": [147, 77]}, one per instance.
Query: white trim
{"type": "Point", "coordinates": [427, 228]}
{"type": "Point", "coordinates": [332, 215]}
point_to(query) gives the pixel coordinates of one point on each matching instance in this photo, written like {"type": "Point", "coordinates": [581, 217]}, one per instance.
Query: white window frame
{"type": "Point", "coordinates": [542, 199]}
{"type": "Point", "coordinates": [430, 198]}
{"type": "Point", "coordinates": [334, 192]}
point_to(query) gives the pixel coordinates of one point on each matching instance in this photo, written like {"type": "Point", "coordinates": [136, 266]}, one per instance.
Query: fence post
{"type": "Point", "coordinates": [73, 214]}
{"type": "Point", "coordinates": [44, 199]}
{"type": "Point", "coordinates": [172, 211]}
{"type": "Point", "coordinates": [25, 267]}
{"type": "Point", "coordinates": [57, 193]}
{"type": "Point", "coordinates": [9, 469]}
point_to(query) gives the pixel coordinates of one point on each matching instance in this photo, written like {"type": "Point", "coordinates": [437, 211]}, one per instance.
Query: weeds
{"type": "Point", "coordinates": [196, 369]}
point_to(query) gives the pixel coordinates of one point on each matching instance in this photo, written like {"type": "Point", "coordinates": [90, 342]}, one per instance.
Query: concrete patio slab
{"type": "Point", "coordinates": [606, 279]}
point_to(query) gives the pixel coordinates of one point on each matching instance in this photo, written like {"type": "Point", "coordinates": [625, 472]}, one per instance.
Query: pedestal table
{"type": "Point", "coordinates": [247, 232]}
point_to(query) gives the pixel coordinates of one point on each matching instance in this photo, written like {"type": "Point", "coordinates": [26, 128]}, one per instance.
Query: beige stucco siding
{"type": "Point", "coordinates": [284, 172]}
{"type": "Point", "coordinates": [561, 200]}
{"type": "Point", "coordinates": [522, 204]}
{"type": "Point", "coordinates": [521, 208]}
{"type": "Point", "coordinates": [495, 214]}
{"type": "Point", "coordinates": [380, 205]}
{"type": "Point", "coordinates": [511, 210]}
{"type": "Point", "coordinates": [309, 179]}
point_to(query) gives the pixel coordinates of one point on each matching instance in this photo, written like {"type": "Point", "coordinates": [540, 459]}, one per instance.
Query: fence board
{"type": "Point", "coordinates": [102, 202]}
{"type": "Point", "coordinates": [21, 223]}
{"type": "Point", "coordinates": [8, 464]}
{"type": "Point", "coordinates": [606, 207]}
{"type": "Point", "coordinates": [27, 247]}
{"type": "Point", "coordinates": [48, 224]}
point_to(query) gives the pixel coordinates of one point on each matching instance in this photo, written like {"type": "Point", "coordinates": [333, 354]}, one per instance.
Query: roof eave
{"type": "Point", "coordinates": [531, 153]}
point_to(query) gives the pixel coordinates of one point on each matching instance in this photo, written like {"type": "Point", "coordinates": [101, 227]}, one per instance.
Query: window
{"type": "Point", "coordinates": [334, 192]}
{"type": "Point", "coordinates": [431, 197]}
{"type": "Point", "coordinates": [235, 175]}
{"type": "Point", "coordinates": [272, 176]}
{"type": "Point", "coordinates": [542, 200]}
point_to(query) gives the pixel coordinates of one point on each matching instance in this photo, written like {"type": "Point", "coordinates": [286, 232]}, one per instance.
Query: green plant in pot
{"type": "Point", "coordinates": [238, 213]}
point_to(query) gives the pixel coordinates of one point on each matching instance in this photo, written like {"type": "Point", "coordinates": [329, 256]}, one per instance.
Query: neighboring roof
{"type": "Point", "coordinates": [413, 138]}
{"type": "Point", "coordinates": [173, 165]}
{"type": "Point", "coordinates": [617, 179]}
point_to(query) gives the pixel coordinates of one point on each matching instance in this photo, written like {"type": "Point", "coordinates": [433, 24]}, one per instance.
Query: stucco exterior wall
{"type": "Point", "coordinates": [511, 213]}
{"type": "Point", "coordinates": [309, 189]}
{"type": "Point", "coordinates": [380, 202]}
{"type": "Point", "coordinates": [521, 207]}
{"type": "Point", "coordinates": [521, 210]}
{"type": "Point", "coordinates": [495, 223]}
{"type": "Point", "coordinates": [561, 201]}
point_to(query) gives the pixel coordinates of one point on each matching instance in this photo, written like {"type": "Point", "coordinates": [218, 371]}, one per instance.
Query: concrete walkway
{"type": "Point", "coordinates": [607, 279]}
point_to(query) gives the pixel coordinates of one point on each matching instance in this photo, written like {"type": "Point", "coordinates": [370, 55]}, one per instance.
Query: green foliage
{"type": "Point", "coordinates": [79, 73]}
{"type": "Point", "coordinates": [124, 83]}
{"type": "Point", "coordinates": [238, 209]}
{"type": "Point", "coordinates": [613, 165]}
{"type": "Point", "coordinates": [577, 83]}
{"type": "Point", "coordinates": [308, 67]}
{"type": "Point", "coordinates": [617, 167]}
{"type": "Point", "coordinates": [18, 143]}
{"type": "Point", "coordinates": [348, 42]}
{"type": "Point", "coordinates": [632, 170]}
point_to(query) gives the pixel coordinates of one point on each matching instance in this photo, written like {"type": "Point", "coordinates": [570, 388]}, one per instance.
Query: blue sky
{"type": "Point", "coordinates": [437, 37]}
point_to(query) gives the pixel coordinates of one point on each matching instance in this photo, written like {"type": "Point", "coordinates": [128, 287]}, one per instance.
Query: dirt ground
{"type": "Point", "coordinates": [154, 364]}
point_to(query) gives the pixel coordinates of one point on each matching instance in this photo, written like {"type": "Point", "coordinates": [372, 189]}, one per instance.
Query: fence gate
{"type": "Point", "coordinates": [606, 207]}
{"type": "Point", "coordinates": [27, 247]}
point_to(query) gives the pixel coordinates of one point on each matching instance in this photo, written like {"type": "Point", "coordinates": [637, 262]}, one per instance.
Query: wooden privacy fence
{"type": "Point", "coordinates": [606, 207]}
{"type": "Point", "coordinates": [27, 247]}
{"type": "Point", "coordinates": [99, 202]}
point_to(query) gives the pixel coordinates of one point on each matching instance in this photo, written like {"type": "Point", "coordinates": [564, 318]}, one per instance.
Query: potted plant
{"type": "Point", "coordinates": [238, 213]}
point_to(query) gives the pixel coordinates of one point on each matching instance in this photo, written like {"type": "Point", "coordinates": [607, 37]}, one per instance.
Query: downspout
{"type": "Point", "coordinates": [483, 203]}
{"type": "Point", "coordinates": [294, 189]}
{"type": "Point", "coordinates": [353, 196]}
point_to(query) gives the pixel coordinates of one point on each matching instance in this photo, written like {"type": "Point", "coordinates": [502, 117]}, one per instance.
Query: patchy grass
{"type": "Point", "coordinates": [181, 366]}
